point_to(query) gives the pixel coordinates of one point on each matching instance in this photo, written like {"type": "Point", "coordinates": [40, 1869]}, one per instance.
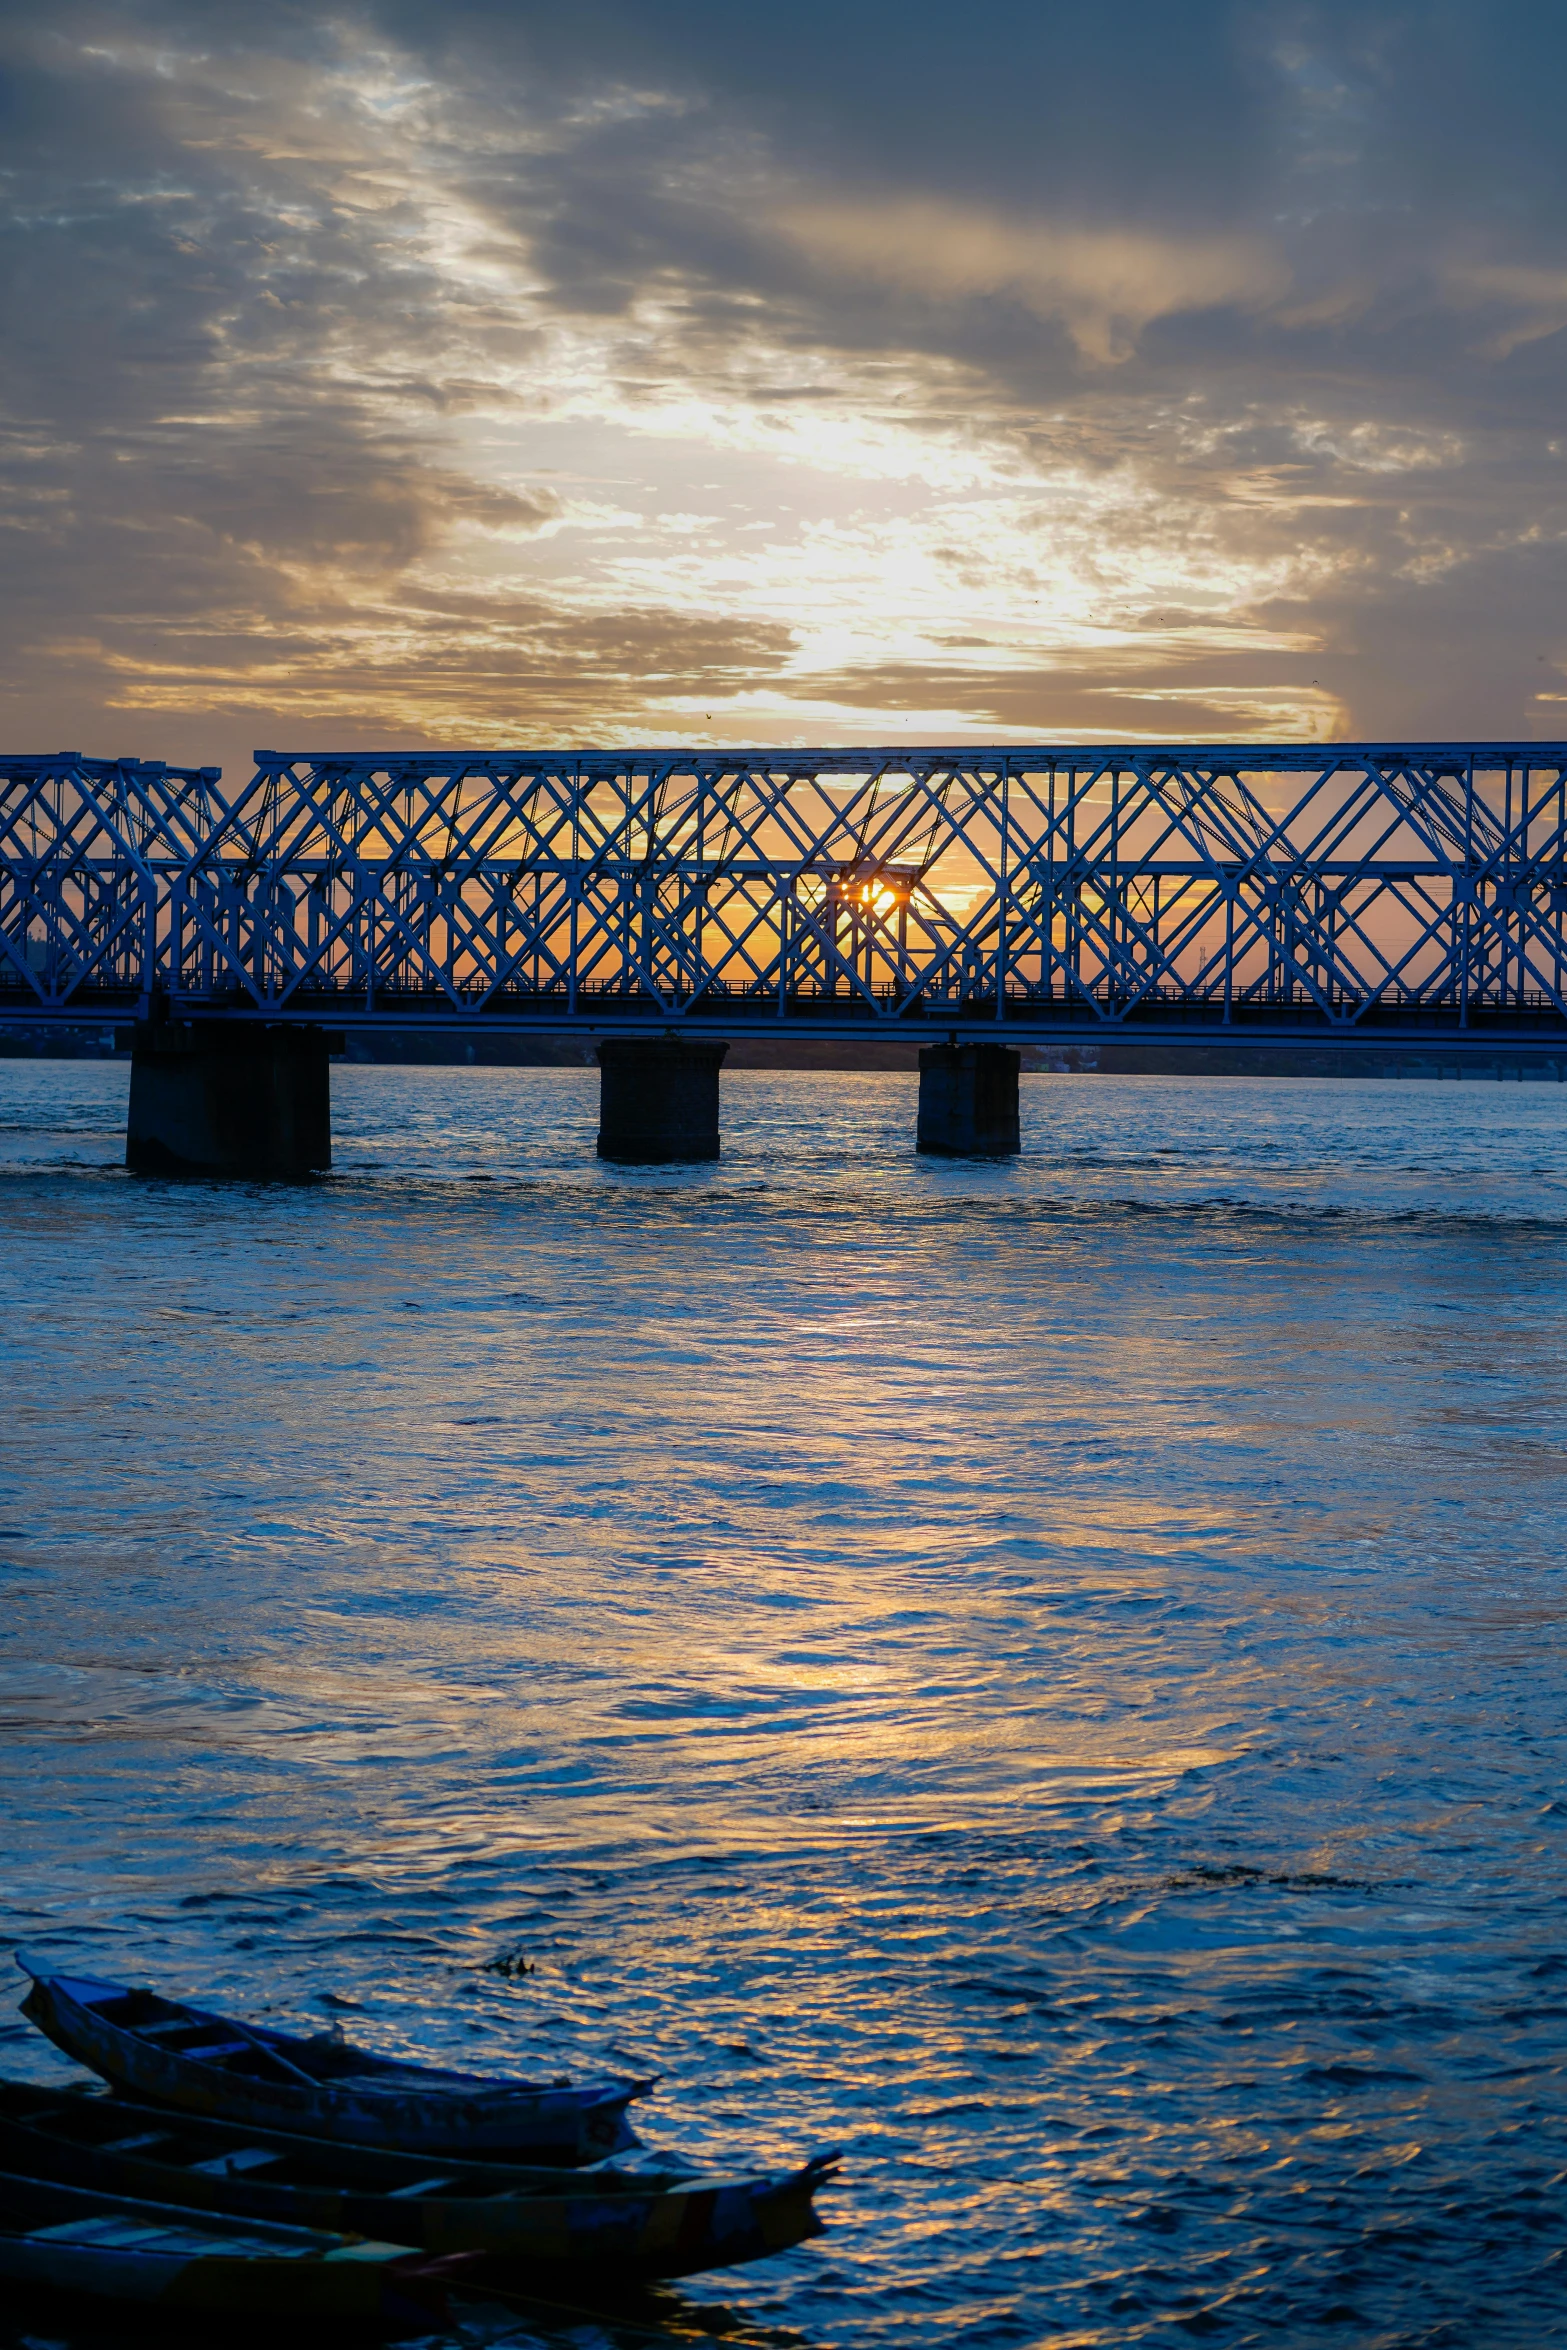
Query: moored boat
{"type": "Point", "coordinates": [117, 2249]}
{"type": "Point", "coordinates": [612, 2226]}
{"type": "Point", "coordinates": [321, 2087]}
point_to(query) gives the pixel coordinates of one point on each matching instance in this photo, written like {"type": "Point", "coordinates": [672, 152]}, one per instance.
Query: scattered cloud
{"type": "Point", "coordinates": [1105, 285]}
{"type": "Point", "coordinates": [1530, 301]}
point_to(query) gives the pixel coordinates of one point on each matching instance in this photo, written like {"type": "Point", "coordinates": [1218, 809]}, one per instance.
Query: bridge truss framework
{"type": "Point", "coordinates": [1343, 893]}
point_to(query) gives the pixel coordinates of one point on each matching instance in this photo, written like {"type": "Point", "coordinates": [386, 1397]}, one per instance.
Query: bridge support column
{"type": "Point", "coordinates": [215, 1097]}
{"type": "Point", "coordinates": [968, 1100]}
{"type": "Point", "coordinates": [658, 1100]}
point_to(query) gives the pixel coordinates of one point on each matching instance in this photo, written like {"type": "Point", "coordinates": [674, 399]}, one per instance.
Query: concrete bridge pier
{"type": "Point", "coordinates": [219, 1097]}
{"type": "Point", "coordinates": [968, 1100]}
{"type": "Point", "coordinates": [658, 1100]}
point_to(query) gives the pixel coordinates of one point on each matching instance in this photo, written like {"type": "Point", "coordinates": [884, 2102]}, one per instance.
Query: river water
{"type": "Point", "coordinates": [1047, 1675]}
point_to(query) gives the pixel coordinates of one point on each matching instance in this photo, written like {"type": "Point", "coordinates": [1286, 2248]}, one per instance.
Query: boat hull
{"type": "Point", "coordinates": [528, 2221]}
{"type": "Point", "coordinates": [387, 2106]}
{"type": "Point", "coordinates": [113, 2248]}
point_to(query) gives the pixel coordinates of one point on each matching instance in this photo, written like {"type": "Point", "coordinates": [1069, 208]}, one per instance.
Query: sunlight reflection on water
{"type": "Point", "coordinates": [1046, 1674]}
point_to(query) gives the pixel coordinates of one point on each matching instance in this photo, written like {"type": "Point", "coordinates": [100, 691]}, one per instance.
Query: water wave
{"type": "Point", "coordinates": [1047, 1675]}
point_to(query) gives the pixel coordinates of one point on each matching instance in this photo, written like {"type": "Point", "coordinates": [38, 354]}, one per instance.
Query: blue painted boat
{"type": "Point", "coordinates": [70, 2240]}
{"type": "Point", "coordinates": [533, 2225]}
{"type": "Point", "coordinates": [323, 2087]}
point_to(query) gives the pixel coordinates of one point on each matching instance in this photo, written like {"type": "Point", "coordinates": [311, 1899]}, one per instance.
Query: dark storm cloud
{"type": "Point", "coordinates": [1404, 119]}
{"type": "Point", "coordinates": [1201, 111]}
{"type": "Point", "coordinates": [1298, 270]}
{"type": "Point", "coordinates": [1010, 100]}
{"type": "Point", "coordinates": [1398, 172]}
{"type": "Point", "coordinates": [1370, 197]}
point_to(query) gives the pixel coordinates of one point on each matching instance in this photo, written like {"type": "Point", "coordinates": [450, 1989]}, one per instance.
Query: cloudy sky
{"type": "Point", "coordinates": [857, 370]}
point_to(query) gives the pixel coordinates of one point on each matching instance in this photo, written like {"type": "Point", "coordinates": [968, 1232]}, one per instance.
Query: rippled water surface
{"type": "Point", "coordinates": [1048, 1675]}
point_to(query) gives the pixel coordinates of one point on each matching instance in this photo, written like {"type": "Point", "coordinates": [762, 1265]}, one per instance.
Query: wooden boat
{"type": "Point", "coordinates": [610, 2225]}
{"type": "Point", "coordinates": [74, 2241]}
{"type": "Point", "coordinates": [321, 2087]}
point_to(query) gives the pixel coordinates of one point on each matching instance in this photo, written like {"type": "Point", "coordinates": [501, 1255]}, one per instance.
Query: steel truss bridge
{"type": "Point", "coordinates": [1355, 894]}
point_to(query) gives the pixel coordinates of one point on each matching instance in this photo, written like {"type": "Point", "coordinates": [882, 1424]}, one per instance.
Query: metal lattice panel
{"type": "Point", "coordinates": [1337, 887]}
{"type": "Point", "coordinates": [88, 848]}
